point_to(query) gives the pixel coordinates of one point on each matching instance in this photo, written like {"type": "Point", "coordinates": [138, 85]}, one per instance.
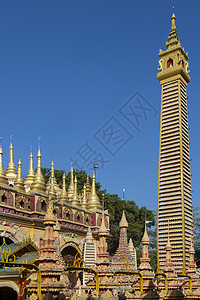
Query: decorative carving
{"type": "Point", "coordinates": [5, 197]}
{"type": "Point", "coordinates": [42, 204]}
{"type": "Point", "coordinates": [68, 214]}
{"type": "Point", "coordinates": [78, 217]}
{"type": "Point", "coordinates": [160, 65]}
{"type": "Point", "coordinates": [88, 220]}
{"type": "Point", "coordinates": [22, 202]}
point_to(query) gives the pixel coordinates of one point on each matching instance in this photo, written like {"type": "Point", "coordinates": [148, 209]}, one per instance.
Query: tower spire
{"type": "Point", "coordinates": [63, 195]}
{"type": "Point", "coordinates": [31, 174]}
{"type": "Point", "coordinates": [70, 191]}
{"type": "Point", "coordinates": [56, 186]}
{"type": "Point", "coordinates": [11, 172]}
{"type": "Point", "coordinates": [144, 260]}
{"type": "Point", "coordinates": [84, 200]}
{"type": "Point", "coordinates": [52, 191]}
{"type": "Point", "coordinates": [173, 36]}
{"type": "Point", "coordinates": [75, 198]}
{"type": "Point", "coordinates": [19, 183]}
{"type": "Point", "coordinates": [38, 182]}
{"type": "Point", "coordinates": [93, 199]}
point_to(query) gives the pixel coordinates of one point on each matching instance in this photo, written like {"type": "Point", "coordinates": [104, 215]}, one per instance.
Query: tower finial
{"type": "Point", "coordinates": [11, 172]}
{"type": "Point", "coordinates": [19, 183]}
{"type": "Point", "coordinates": [38, 182]}
{"type": "Point", "coordinates": [173, 18]}
{"type": "Point", "coordinates": [63, 195]}
{"type": "Point", "coordinates": [70, 191]}
{"type": "Point", "coordinates": [31, 174]}
{"type": "Point", "coordinates": [93, 199]}
{"type": "Point", "coordinates": [75, 198]}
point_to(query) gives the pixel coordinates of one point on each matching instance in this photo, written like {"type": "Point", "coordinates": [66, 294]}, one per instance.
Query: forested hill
{"type": "Point", "coordinates": [115, 205]}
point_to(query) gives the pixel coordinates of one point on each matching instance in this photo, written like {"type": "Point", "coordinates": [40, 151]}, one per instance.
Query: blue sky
{"type": "Point", "coordinates": [66, 69]}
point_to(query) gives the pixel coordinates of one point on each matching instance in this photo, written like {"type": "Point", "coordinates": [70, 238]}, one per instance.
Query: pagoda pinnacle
{"type": "Point", "coordinates": [144, 265]}
{"type": "Point", "coordinates": [38, 182]}
{"type": "Point", "coordinates": [173, 22]}
{"type": "Point", "coordinates": [192, 264]}
{"type": "Point", "coordinates": [84, 200]}
{"type": "Point", "coordinates": [31, 174]}
{"type": "Point", "coordinates": [52, 191]}
{"type": "Point", "coordinates": [123, 223]}
{"type": "Point", "coordinates": [70, 191]}
{"type": "Point", "coordinates": [173, 36]}
{"type": "Point", "coordinates": [56, 186]}
{"type": "Point", "coordinates": [63, 195]}
{"type": "Point", "coordinates": [11, 172]}
{"type": "Point", "coordinates": [3, 179]}
{"type": "Point", "coordinates": [145, 239]}
{"type": "Point", "coordinates": [75, 198]}
{"type": "Point", "coordinates": [93, 199]}
{"type": "Point", "coordinates": [19, 183]}
{"type": "Point", "coordinates": [88, 186]}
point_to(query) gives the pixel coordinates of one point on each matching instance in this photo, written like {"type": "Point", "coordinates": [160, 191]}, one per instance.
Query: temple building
{"type": "Point", "coordinates": [23, 205]}
{"type": "Point", "coordinates": [174, 204]}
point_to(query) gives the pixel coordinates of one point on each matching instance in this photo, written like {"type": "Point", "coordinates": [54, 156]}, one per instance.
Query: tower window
{"type": "Point", "coordinates": [4, 199]}
{"type": "Point", "coordinates": [183, 64]}
{"type": "Point", "coordinates": [170, 63]}
{"type": "Point", "coordinates": [43, 206]}
{"type": "Point", "coordinates": [21, 204]}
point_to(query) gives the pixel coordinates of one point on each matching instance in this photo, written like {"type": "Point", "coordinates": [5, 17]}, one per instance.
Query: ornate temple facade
{"type": "Point", "coordinates": [23, 205]}
{"type": "Point", "coordinates": [174, 209]}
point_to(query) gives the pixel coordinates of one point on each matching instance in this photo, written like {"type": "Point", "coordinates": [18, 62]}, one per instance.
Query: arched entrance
{"type": "Point", "coordinates": [68, 254]}
{"type": "Point", "coordinates": [8, 290]}
{"type": "Point", "coordinates": [7, 293]}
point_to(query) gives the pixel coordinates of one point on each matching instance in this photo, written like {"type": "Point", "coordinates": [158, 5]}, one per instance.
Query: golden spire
{"type": "Point", "coordinates": [192, 264]}
{"type": "Point", "coordinates": [173, 36]}
{"type": "Point", "coordinates": [93, 199]}
{"type": "Point", "coordinates": [75, 199]}
{"type": "Point", "coordinates": [11, 170]}
{"type": "Point", "coordinates": [3, 179]}
{"type": "Point", "coordinates": [19, 183]}
{"type": "Point", "coordinates": [63, 195]}
{"type": "Point", "coordinates": [88, 186]}
{"type": "Point", "coordinates": [123, 223]}
{"type": "Point", "coordinates": [145, 239]}
{"type": "Point", "coordinates": [31, 174]}
{"type": "Point", "coordinates": [84, 200]}
{"type": "Point", "coordinates": [70, 191]}
{"type": "Point", "coordinates": [38, 182]}
{"type": "Point", "coordinates": [144, 265]}
{"type": "Point", "coordinates": [52, 190]}
{"type": "Point", "coordinates": [56, 186]}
